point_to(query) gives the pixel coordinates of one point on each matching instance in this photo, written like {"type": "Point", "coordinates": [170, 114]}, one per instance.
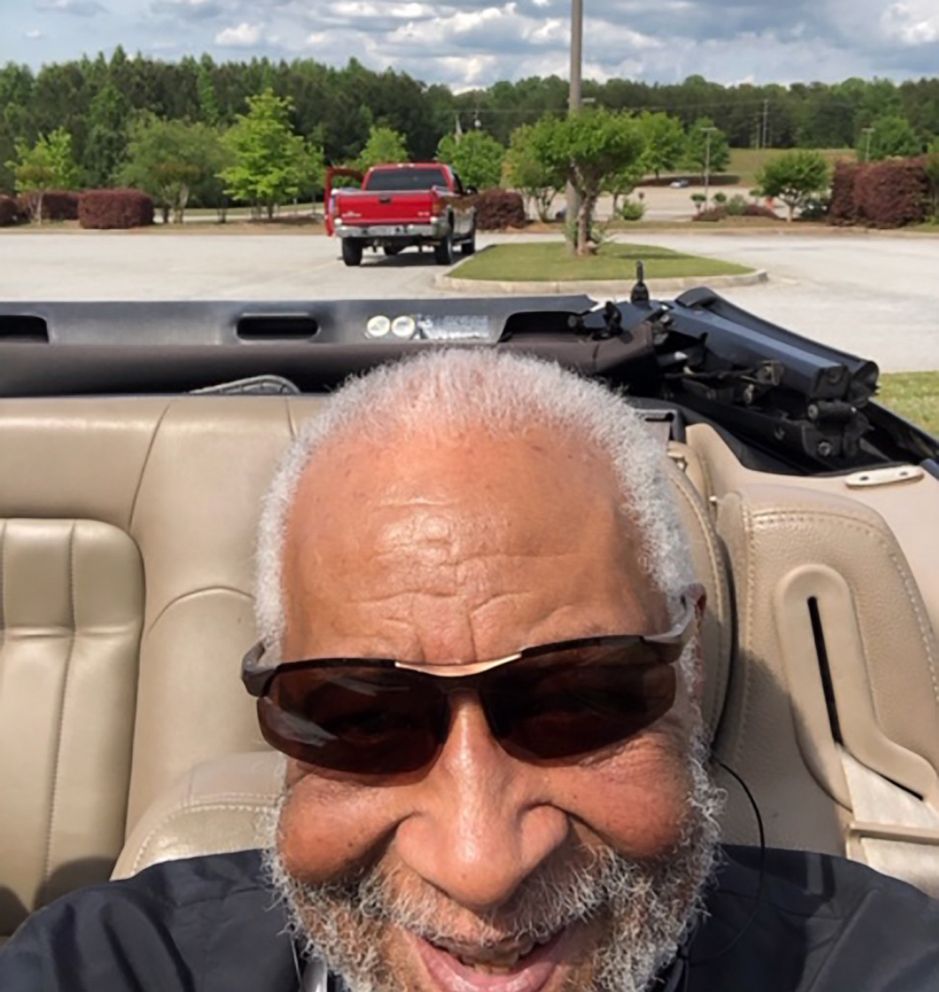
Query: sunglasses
{"type": "Point", "coordinates": [543, 704]}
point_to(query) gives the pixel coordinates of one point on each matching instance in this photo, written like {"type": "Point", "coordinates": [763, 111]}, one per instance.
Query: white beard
{"type": "Point", "coordinates": [645, 908]}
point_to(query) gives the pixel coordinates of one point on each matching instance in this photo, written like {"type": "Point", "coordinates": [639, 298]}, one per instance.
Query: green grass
{"type": "Point", "coordinates": [747, 162]}
{"type": "Point", "coordinates": [549, 262]}
{"type": "Point", "coordinates": [914, 395]}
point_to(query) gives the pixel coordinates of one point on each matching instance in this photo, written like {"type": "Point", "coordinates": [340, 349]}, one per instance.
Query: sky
{"type": "Point", "coordinates": [476, 42]}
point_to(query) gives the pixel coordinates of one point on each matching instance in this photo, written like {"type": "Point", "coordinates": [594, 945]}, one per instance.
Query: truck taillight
{"type": "Point", "coordinates": [436, 207]}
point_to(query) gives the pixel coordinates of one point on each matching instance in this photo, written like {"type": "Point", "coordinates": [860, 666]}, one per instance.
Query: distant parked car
{"type": "Point", "coordinates": [678, 183]}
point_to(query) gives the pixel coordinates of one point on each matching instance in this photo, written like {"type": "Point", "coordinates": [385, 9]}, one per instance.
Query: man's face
{"type": "Point", "coordinates": [485, 871]}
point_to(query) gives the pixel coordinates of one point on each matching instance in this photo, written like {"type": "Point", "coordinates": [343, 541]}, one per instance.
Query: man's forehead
{"type": "Point", "coordinates": [466, 535]}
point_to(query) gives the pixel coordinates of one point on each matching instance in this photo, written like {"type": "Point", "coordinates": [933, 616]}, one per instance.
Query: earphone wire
{"type": "Point", "coordinates": [690, 962]}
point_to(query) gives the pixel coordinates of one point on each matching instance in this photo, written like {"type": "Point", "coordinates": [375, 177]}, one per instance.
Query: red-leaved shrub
{"type": "Point", "coordinates": [57, 204]}
{"type": "Point", "coordinates": [114, 208]}
{"type": "Point", "coordinates": [711, 214]}
{"type": "Point", "coordinates": [10, 212]}
{"type": "Point", "coordinates": [759, 210]}
{"type": "Point", "coordinates": [880, 194]}
{"type": "Point", "coordinates": [499, 208]}
{"type": "Point", "coordinates": [892, 193]}
{"type": "Point", "coordinates": [843, 208]}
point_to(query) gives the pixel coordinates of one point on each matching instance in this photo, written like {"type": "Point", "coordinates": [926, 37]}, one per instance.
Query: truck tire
{"type": "Point", "coordinates": [351, 251]}
{"type": "Point", "coordinates": [469, 245]}
{"type": "Point", "coordinates": [443, 250]}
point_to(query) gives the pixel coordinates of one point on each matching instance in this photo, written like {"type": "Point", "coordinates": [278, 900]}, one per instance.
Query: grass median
{"type": "Point", "coordinates": [553, 262]}
{"type": "Point", "coordinates": [914, 395]}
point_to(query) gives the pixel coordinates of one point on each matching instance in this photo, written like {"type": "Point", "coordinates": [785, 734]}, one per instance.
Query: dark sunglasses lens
{"type": "Point", "coordinates": [576, 706]}
{"type": "Point", "coordinates": [358, 720]}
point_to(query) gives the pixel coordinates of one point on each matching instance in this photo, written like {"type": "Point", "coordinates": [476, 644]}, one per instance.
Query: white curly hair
{"type": "Point", "coordinates": [496, 392]}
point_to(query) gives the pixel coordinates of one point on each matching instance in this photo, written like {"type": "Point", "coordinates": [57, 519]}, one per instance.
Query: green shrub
{"type": "Point", "coordinates": [720, 198]}
{"type": "Point", "coordinates": [632, 210]}
{"type": "Point", "coordinates": [736, 206]}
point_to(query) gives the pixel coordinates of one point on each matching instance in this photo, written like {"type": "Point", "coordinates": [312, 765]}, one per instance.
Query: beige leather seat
{"type": "Point", "coordinates": [832, 714]}
{"type": "Point", "coordinates": [126, 590]}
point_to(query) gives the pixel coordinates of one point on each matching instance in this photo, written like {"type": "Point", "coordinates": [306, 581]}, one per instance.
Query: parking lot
{"type": "Point", "coordinates": [876, 295]}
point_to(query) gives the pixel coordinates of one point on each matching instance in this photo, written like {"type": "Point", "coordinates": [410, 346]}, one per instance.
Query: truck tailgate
{"type": "Point", "coordinates": [359, 207]}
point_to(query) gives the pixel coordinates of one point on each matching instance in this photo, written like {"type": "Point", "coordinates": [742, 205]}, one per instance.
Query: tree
{"type": "Point", "coordinates": [665, 142]}
{"type": "Point", "coordinates": [623, 181]}
{"type": "Point", "coordinates": [384, 145]}
{"type": "Point", "coordinates": [171, 159]}
{"type": "Point", "coordinates": [704, 155]}
{"type": "Point", "coordinates": [48, 164]}
{"type": "Point", "coordinates": [527, 173]}
{"type": "Point", "coordinates": [476, 156]}
{"type": "Point", "coordinates": [107, 135]}
{"type": "Point", "coordinates": [794, 177]}
{"type": "Point", "coordinates": [588, 147]}
{"type": "Point", "coordinates": [889, 136]}
{"type": "Point", "coordinates": [270, 164]}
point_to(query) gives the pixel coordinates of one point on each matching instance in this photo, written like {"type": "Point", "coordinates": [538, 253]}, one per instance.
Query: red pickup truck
{"type": "Point", "coordinates": [416, 203]}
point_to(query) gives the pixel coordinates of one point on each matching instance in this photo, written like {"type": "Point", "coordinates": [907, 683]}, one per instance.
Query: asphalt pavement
{"type": "Point", "coordinates": [872, 294]}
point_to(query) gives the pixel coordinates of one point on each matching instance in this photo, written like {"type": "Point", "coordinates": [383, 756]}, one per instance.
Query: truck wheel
{"type": "Point", "coordinates": [351, 251]}
{"type": "Point", "coordinates": [469, 246]}
{"type": "Point", "coordinates": [443, 250]}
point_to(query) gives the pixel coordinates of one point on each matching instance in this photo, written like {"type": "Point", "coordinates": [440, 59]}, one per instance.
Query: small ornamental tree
{"type": "Point", "coordinates": [169, 159]}
{"type": "Point", "coordinates": [384, 145]}
{"type": "Point", "coordinates": [590, 147]}
{"type": "Point", "coordinates": [476, 156]}
{"type": "Point", "coordinates": [270, 164]}
{"type": "Point", "coordinates": [704, 155]}
{"type": "Point", "coordinates": [891, 136]}
{"type": "Point", "coordinates": [526, 172]}
{"type": "Point", "coordinates": [794, 177]}
{"type": "Point", "coordinates": [46, 165]}
{"type": "Point", "coordinates": [665, 142]}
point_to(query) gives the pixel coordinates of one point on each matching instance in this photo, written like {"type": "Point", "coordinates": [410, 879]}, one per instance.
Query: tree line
{"type": "Point", "coordinates": [95, 100]}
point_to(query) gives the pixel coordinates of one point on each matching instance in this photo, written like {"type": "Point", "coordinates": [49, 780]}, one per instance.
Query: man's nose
{"type": "Point", "coordinates": [482, 821]}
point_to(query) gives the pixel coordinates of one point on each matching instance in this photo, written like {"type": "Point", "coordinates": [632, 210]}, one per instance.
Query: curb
{"type": "Point", "coordinates": [602, 287]}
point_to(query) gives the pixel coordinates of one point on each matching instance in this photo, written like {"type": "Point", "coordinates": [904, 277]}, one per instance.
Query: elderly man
{"type": "Point", "coordinates": [479, 652]}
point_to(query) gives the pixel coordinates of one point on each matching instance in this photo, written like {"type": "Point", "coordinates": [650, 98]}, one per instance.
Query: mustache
{"type": "Point", "coordinates": [556, 896]}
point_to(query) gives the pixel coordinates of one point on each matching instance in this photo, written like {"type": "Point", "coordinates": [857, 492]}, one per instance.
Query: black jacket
{"type": "Point", "coordinates": [821, 924]}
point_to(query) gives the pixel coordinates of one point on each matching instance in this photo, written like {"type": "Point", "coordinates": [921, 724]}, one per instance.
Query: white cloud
{"type": "Point", "coordinates": [468, 43]}
{"type": "Point", "coordinates": [81, 8]}
{"type": "Point", "coordinates": [33, 34]}
{"type": "Point", "coordinates": [243, 35]}
{"type": "Point", "coordinates": [913, 23]}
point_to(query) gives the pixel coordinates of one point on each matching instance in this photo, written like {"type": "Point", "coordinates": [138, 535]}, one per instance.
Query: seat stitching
{"type": "Point", "coordinates": [909, 585]}
{"type": "Point", "coordinates": [195, 592]}
{"type": "Point", "coordinates": [747, 626]}
{"type": "Point", "coordinates": [716, 576]}
{"type": "Point", "coordinates": [214, 807]}
{"type": "Point", "coordinates": [143, 467]}
{"type": "Point", "coordinates": [3, 545]}
{"type": "Point", "coordinates": [54, 784]}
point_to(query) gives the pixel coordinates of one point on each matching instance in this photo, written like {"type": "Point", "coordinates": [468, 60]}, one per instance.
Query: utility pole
{"type": "Point", "coordinates": [574, 102]}
{"type": "Point", "coordinates": [708, 131]}
{"type": "Point", "coordinates": [867, 132]}
{"type": "Point", "coordinates": [765, 123]}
